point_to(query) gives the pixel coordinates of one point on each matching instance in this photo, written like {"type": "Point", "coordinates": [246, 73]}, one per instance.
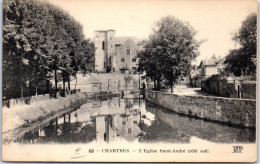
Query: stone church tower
{"type": "Point", "coordinates": [115, 54]}
{"type": "Point", "coordinates": [105, 48]}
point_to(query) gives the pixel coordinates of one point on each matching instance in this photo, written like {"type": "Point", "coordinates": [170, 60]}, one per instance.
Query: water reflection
{"type": "Point", "coordinates": [132, 120]}
{"type": "Point", "coordinates": [206, 130]}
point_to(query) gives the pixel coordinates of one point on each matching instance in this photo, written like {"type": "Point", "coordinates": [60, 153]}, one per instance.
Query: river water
{"type": "Point", "coordinates": [133, 120]}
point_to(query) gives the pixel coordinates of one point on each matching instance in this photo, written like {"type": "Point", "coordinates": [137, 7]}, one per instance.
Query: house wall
{"type": "Point", "coordinates": [211, 70]}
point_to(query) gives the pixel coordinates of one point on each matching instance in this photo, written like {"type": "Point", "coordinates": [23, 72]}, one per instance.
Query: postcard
{"type": "Point", "coordinates": [129, 81]}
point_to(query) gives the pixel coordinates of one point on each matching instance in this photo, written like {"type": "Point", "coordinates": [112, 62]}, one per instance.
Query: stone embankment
{"type": "Point", "coordinates": [18, 118]}
{"type": "Point", "coordinates": [241, 112]}
{"type": "Point", "coordinates": [210, 131]}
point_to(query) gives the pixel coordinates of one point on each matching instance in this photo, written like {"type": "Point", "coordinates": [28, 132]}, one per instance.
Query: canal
{"type": "Point", "coordinates": [132, 120]}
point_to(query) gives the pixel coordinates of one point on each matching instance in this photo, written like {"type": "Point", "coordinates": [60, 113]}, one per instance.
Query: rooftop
{"type": "Point", "coordinates": [212, 62]}
{"type": "Point", "coordinates": [103, 30]}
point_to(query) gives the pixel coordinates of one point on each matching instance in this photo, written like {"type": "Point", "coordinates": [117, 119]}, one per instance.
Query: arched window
{"type": "Point", "coordinates": [122, 59]}
{"type": "Point", "coordinates": [128, 51]}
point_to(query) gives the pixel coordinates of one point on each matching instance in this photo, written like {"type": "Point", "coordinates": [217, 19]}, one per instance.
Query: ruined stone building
{"type": "Point", "coordinates": [115, 54]}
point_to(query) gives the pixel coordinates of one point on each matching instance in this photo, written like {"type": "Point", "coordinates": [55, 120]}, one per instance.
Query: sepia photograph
{"type": "Point", "coordinates": [129, 80]}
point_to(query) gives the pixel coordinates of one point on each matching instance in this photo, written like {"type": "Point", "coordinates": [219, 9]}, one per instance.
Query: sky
{"type": "Point", "coordinates": [215, 21]}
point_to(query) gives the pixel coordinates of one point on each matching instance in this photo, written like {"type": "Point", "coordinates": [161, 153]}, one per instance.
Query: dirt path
{"type": "Point", "coordinates": [188, 91]}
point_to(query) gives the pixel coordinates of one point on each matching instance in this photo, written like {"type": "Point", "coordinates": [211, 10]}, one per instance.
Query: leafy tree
{"type": "Point", "coordinates": [169, 51]}
{"type": "Point", "coordinates": [35, 25]}
{"type": "Point", "coordinates": [15, 44]}
{"type": "Point", "coordinates": [86, 58]}
{"type": "Point", "coordinates": [149, 62]}
{"type": "Point", "coordinates": [242, 61]}
{"type": "Point", "coordinates": [40, 42]}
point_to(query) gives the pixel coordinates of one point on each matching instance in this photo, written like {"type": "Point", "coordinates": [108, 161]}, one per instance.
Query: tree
{"type": "Point", "coordinates": [242, 61]}
{"type": "Point", "coordinates": [40, 42]}
{"type": "Point", "coordinates": [86, 58]}
{"type": "Point", "coordinates": [149, 62]}
{"type": "Point", "coordinates": [35, 28]}
{"type": "Point", "coordinates": [15, 44]}
{"type": "Point", "coordinates": [213, 56]}
{"type": "Point", "coordinates": [169, 51]}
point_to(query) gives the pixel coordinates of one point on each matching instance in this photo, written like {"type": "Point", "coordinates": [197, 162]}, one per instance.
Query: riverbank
{"type": "Point", "coordinates": [19, 119]}
{"type": "Point", "coordinates": [24, 115]}
{"type": "Point", "coordinates": [241, 112]}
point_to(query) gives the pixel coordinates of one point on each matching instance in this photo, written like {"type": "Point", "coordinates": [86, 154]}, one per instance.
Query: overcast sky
{"type": "Point", "coordinates": [214, 20]}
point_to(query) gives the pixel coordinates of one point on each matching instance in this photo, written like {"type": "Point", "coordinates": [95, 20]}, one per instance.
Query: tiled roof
{"type": "Point", "coordinates": [104, 30]}
{"type": "Point", "coordinates": [209, 61]}
{"type": "Point", "coordinates": [212, 61]}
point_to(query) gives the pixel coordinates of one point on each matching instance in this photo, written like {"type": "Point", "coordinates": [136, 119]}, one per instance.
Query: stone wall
{"type": "Point", "coordinates": [233, 89]}
{"type": "Point", "coordinates": [100, 53]}
{"type": "Point", "coordinates": [204, 130]}
{"type": "Point", "coordinates": [108, 82]}
{"type": "Point", "coordinates": [248, 90]}
{"type": "Point", "coordinates": [241, 112]}
{"type": "Point", "coordinates": [115, 82]}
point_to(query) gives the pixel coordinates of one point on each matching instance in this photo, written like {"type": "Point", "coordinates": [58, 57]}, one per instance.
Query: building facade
{"type": "Point", "coordinates": [211, 67]}
{"type": "Point", "coordinates": [115, 54]}
{"type": "Point", "coordinates": [206, 69]}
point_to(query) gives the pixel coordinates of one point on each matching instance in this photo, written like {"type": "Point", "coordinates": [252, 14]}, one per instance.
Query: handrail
{"type": "Point", "coordinates": [30, 99]}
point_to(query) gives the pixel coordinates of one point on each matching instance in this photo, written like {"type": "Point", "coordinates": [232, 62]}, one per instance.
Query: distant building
{"type": "Point", "coordinates": [211, 66]}
{"type": "Point", "coordinates": [206, 69]}
{"type": "Point", "coordinates": [196, 78]}
{"type": "Point", "coordinates": [115, 54]}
